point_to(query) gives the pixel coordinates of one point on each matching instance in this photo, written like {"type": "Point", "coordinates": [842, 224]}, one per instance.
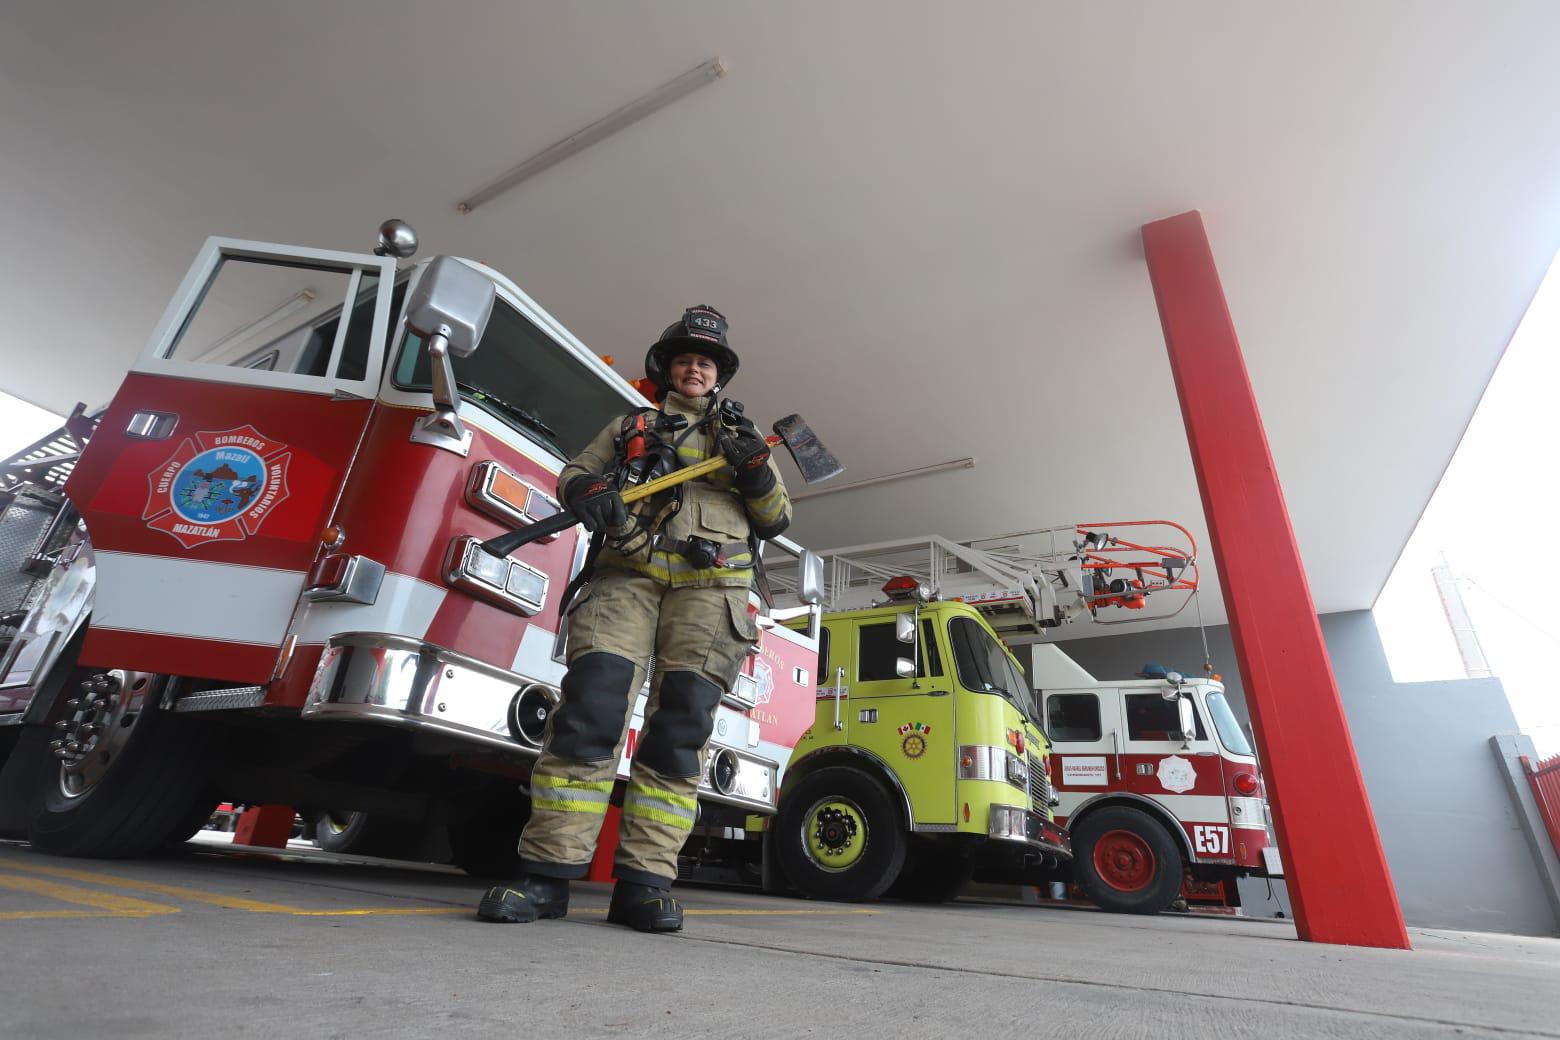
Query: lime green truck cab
{"type": "Point", "coordinates": [926, 764]}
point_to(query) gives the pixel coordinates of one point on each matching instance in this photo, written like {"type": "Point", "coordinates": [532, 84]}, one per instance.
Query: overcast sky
{"type": "Point", "coordinates": [1495, 518]}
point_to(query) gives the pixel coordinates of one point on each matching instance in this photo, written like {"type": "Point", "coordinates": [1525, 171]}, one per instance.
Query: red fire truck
{"type": "Point", "coordinates": [254, 575]}
{"type": "Point", "coordinates": [1158, 784]}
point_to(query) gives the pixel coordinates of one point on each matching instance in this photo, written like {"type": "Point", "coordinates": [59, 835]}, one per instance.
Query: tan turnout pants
{"type": "Point", "coordinates": [699, 636]}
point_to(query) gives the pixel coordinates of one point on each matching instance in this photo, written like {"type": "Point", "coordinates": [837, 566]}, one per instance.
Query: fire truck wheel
{"type": "Point", "coordinates": [1125, 862]}
{"type": "Point", "coordinates": [122, 777]}
{"type": "Point", "coordinates": [840, 836]}
{"type": "Point", "coordinates": [350, 833]}
{"type": "Point", "coordinates": [932, 874]}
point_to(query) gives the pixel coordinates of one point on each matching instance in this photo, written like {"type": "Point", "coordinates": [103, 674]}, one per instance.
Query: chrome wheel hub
{"type": "Point", "coordinates": [98, 728]}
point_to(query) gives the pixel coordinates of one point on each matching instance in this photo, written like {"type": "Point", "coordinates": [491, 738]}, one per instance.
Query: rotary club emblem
{"type": "Point", "coordinates": [217, 486]}
{"type": "Point", "coordinates": [914, 742]}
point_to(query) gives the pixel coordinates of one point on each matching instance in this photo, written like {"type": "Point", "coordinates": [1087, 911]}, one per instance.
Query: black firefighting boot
{"type": "Point", "coordinates": [527, 898]}
{"type": "Point", "coordinates": [644, 908]}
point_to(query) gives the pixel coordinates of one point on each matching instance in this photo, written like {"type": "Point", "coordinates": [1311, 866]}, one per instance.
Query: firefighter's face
{"type": "Point", "coordinates": [693, 375]}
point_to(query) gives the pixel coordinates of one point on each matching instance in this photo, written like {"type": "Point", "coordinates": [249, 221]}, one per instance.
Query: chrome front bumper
{"type": "Point", "coordinates": [399, 681]}
{"type": "Point", "coordinates": [1015, 823]}
{"type": "Point", "coordinates": [392, 680]}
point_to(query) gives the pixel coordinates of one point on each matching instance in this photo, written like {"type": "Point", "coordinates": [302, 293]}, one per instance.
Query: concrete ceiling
{"type": "Point", "coordinates": [921, 217]}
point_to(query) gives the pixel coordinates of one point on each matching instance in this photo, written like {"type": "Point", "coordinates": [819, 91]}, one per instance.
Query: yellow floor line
{"type": "Point", "coordinates": [193, 895]}
{"type": "Point", "coordinates": [385, 911]}
{"type": "Point", "coordinates": [105, 902]}
{"type": "Point", "coordinates": [710, 912]}
{"type": "Point", "coordinates": [57, 915]}
{"type": "Point", "coordinates": [254, 906]}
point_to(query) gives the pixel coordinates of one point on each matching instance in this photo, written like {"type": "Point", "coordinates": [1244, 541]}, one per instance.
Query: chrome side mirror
{"type": "Point", "coordinates": [1188, 719]}
{"type": "Point", "coordinates": [904, 667]}
{"type": "Point", "coordinates": [904, 628]}
{"type": "Point", "coordinates": [450, 309]}
{"type": "Point", "coordinates": [809, 579]}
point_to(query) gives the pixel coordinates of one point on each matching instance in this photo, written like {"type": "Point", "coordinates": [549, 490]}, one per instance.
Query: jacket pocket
{"type": "Point", "coordinates": [722, 518]}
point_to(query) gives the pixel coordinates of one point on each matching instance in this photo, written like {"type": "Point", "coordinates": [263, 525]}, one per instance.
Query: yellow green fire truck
{"type": "Point", "coordinates": [927, 760]}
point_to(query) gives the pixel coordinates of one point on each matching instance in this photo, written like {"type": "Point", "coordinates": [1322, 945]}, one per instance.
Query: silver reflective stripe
{"type": "Point", "coordinates": [660, 805]}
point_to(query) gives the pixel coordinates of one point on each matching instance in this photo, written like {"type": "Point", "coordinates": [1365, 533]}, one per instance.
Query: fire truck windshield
{"type": "Point", "coordinates": [524, 376]}
{"type": "Point", "coordinates": [1230, 734]}
{"type": "Point", "coordinates": [984, 665]}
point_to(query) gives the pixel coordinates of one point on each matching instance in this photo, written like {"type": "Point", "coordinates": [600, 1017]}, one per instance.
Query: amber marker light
{"type": "Point", "coordinates": [333, 536]}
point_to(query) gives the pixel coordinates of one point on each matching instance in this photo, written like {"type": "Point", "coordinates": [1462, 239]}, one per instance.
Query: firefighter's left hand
{"type": "Point", "coordinates": [745, 449]}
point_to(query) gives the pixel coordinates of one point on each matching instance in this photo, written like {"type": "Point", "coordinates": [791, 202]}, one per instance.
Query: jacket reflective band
{"type": "Point", "coordinates": [769, 508]}
{"type": "Point", "coordinates": [564, 795]}
{"type": "Point", "coordinates": [649, 803]}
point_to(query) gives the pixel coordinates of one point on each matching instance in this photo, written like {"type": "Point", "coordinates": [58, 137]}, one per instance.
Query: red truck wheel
{"type": "Point", "coordinates": [122, 776]}
{"type": "Point", "coordinates": [1125, 862]}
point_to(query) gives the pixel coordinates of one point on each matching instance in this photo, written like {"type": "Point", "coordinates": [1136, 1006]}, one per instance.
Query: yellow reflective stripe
{"type": "Point", "coordinates": [692, 454]}
{"type": "Point", "coordinates": [562, 794]}
{"type": "Point", "coordinates": [645, 812]}
{"type": "Point", "coordinates": [672, 798]}
{"type": "Point", "coordinates": [568, 805]}
{"type": "Point", "coordinates": [662, 570]}
{"type": "Point", "coordinates": [769, 507]}
{"type": "Point", "coordinates": [543, 780]}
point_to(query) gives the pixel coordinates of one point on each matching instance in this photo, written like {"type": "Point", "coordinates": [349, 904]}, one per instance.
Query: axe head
{"type": "Point", "coordinates": [812, 458]}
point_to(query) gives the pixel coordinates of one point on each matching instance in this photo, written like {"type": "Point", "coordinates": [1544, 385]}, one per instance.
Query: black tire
{"type": "Point", "coordinates": [145, 798]}
{"type": "Point", "coordinates": [351, 833]}
{"type": "Point", "coordinates": [834, 808]}
{"type": "Point", "coordinates": [1138, 869]}
{"type": "Point", "coordinates": [932, 874]}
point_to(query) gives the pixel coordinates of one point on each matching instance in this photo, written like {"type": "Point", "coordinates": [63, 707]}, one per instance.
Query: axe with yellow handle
{"type": "Point", "coordinates": [811, 458]}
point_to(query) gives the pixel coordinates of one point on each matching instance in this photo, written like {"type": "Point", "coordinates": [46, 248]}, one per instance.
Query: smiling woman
{"type": "Point", "coordinates": [22, 423]}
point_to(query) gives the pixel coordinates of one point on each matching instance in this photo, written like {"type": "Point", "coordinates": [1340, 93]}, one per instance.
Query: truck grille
{"type": "Point", "coordinates": [1039, 786]}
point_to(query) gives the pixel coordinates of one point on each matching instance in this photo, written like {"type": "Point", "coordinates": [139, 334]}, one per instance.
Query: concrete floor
{"type": "Point", "coordinates": [223, 942]}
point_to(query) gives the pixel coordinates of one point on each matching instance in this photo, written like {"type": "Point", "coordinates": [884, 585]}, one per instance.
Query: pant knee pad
{"type": "Point", "coordinates": [675, 734]}
{"type": "Point", "coordinates": [589, 720]}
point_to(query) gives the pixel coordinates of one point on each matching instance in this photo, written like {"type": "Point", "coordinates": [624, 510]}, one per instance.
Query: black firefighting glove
{"type": "Point", "coordinates": [597, 503]}
{"type": "Point", "coordinates": [746, 450]}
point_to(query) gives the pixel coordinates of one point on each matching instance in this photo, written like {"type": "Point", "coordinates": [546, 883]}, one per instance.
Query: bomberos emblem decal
{"type": "Point", "coordinates": [217, 487]}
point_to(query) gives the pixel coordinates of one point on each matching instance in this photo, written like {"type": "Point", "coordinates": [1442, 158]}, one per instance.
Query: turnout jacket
{"type": "Point", "coordinates": [712, 508]}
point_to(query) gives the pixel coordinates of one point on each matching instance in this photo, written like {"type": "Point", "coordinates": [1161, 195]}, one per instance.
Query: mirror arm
{"type": "Point", "coordinates": [915, 649]}
{"type": "Point", "coordinates": [442, 427]}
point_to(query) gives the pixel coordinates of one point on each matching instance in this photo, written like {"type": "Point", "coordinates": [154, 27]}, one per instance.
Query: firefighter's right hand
{"type": "Point", "coordinates": [597, 504]}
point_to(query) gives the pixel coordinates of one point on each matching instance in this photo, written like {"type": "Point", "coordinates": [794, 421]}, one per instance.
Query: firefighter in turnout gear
{"type": "Point", "coordinates": [670, 577]}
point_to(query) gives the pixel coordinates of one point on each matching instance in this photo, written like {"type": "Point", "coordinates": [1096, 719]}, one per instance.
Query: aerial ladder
{"type": "Point", "coordinates": [1026, 582]}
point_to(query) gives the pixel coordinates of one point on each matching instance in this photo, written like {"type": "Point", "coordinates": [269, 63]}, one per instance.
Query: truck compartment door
{"type": "Point", "coordinates": [218, 463]}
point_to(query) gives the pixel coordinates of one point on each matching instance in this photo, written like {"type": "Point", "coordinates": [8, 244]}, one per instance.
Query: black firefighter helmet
{"type": "Point", "coordinates": [702, 330]}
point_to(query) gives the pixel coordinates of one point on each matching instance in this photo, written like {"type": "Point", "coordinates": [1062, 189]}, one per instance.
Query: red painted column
{"type": "Point", "coordinates": [1337, 873]}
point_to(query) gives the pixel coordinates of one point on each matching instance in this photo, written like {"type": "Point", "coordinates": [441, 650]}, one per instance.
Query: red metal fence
{"type": "Point", "coordinates": [1545, 780]}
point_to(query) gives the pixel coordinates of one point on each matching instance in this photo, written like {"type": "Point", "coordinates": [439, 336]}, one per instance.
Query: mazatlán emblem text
{"type": "Point", "coordinates": [217, 487]}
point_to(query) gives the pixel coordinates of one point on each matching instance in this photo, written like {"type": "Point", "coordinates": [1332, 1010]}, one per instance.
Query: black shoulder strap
{"type": "Point", "coordinates": [760, 575]}
{"type": "Point", "coordinates": [588, 568]}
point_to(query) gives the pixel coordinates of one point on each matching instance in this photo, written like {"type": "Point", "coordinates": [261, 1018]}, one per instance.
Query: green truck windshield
{"type": "Point", "coordinates": [984, 665]}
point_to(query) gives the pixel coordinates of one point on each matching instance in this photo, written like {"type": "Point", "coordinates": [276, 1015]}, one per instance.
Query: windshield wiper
{"type": "Point", "coordinates": [514, 411]}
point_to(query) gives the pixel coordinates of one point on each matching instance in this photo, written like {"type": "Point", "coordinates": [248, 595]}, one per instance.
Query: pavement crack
{"type": "Point", "coordinates": [1065, 980]}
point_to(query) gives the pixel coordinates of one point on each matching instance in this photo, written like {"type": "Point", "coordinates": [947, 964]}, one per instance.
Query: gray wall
{"type": "Point", "coordinates": [1458, 855]}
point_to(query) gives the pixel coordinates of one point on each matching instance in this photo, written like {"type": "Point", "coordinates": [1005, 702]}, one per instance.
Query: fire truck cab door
{"type": "Point", "coordinates": [217, 465]}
